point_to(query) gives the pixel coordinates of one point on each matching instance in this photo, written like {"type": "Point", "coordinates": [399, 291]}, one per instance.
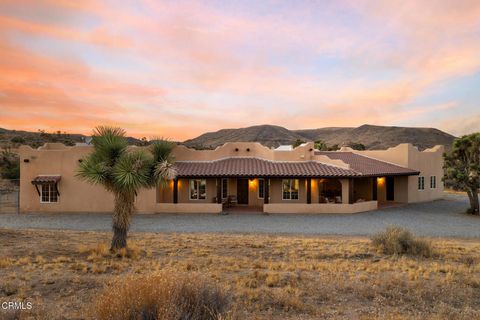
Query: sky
{"type": "Point", "coordinates": [177, 69]}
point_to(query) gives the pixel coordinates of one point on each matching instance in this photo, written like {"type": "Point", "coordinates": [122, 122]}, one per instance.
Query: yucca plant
{"type": "Point", "coordinates": [123, 171]}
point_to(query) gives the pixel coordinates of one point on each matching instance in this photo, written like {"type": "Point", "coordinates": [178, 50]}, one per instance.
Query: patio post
{"type": "Point", "coordinates": [219, 190]}
{"type": "Point", "coordinates": [309, 190]}
{"type": "Point", "coordinates": [266, 192]}
{"type": "Point", "coordinates": [175, 190]}
{"type": "Point", "coordinates": [350, 193]}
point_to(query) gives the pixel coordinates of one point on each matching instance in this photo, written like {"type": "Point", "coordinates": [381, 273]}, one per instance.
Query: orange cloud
{"type": "Point", "coordinates": [208, 68]}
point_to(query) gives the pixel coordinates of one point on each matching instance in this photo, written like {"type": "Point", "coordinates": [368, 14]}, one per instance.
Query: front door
{"type": "Point", "coordinates": [390, 189]}
{"type": "Point", "coordinates": [242, 191]}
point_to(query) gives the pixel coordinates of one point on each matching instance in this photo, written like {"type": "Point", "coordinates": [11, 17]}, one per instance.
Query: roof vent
{"type": "Point", "coordinates": [248, 149]}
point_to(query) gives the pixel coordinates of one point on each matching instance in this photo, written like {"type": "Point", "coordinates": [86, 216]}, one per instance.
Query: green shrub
{"type": "Point", "coordinates": [9, 165]}
{"type": "Point", "coordinates": [396, 241]}
{"type": "Point", "coordinates": [162, 296]}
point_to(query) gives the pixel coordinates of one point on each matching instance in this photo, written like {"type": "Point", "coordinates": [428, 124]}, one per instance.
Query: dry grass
{"type": "Point", "coordinates": [165, 295]}
{"type": "Point", "coordinates": [397, 241]}
{"type": "Point", "coordinates": [268, 277]}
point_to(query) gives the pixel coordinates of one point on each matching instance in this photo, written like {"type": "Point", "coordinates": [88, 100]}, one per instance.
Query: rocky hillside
{"type": "Point", "coordinates": [373, 137]}
{"type": "Point", "coordinates": [271, 136]}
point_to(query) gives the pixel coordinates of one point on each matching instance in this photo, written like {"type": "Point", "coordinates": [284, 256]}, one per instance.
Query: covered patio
{"type": "Point", "coordinates": [252, 184]}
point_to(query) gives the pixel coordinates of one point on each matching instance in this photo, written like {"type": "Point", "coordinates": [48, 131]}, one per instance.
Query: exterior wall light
{"type": "Point", "coordinates": [380, 181]}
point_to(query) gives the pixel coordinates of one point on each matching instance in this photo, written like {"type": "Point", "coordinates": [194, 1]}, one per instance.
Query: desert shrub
{"type": "Point", "coordinates": [396, 241]}
{"type": "Point", "coordinates": [165, 296]}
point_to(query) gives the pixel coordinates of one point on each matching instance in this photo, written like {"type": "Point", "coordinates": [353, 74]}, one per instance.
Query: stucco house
{"type": "Point", "coordinates": [244, 175]}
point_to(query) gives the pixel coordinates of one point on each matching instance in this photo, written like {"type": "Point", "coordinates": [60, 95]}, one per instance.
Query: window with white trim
{"type": "Point", "coordinates": [224, 188]}
{"type": "Point", "coordinates": [290, 189]}
{"type": "Point", "coordinates": [198, 189]}
{"type": "Point", "coordinates": [261, 188]}
{"type": "Point", "coordinates": [433, 182]}
{"type": "Point", "coordinates": [421, 183]}
{"type": "Point", "coordinates": [48, 193]}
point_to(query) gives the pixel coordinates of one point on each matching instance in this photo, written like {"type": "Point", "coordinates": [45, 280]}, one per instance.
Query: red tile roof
{"type": "Point", "coordinates": [46, 179]}
{"type": "Point", "coordinates": [254, 167]}
{"type": "Point", "coordinates": [367, 166]}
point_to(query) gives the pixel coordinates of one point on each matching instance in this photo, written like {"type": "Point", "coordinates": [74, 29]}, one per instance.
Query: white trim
{"type": "Point", "coordinates": [290, 190]}
{"type": "Point", "coordinates": [224, 196]}
{"type": "Point", "coordinates": [49, 193]}
{"type": "Point", "coordinates": [198, 190]}
{"type": "Point", "coordinates": [423, 183]}
{"type": "Point", "coordinates": [434, 182]}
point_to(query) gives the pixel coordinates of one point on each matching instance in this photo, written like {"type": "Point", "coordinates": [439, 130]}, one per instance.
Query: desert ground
{"type": "Point", "coordinates": [266, 276]}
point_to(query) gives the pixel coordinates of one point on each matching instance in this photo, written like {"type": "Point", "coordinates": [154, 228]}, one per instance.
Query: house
{"type": "Point", "coordinates": [244, 175]}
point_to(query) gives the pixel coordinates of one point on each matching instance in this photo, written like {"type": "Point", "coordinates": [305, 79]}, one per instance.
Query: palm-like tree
{"type": "Point", "coordinates": [123, 171]}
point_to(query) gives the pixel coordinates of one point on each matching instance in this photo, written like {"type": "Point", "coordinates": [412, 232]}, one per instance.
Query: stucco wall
{"type": "Point", "coordinates": [75, 195]}
{"type": "Point", "coordinates": [79, 196]}
{"type": "Point", "coordinates": [188, 208]}
{"type": "Point", "coordinates": [317, 208]}
{"type": "Point", "coordinates": [429, 162]}
{"type": "Point", "coordinates": [255, 149]}
{"type": "Point", "coordinates": [363, 188]}
{"type": "Point", "coordinates": [401, 189]}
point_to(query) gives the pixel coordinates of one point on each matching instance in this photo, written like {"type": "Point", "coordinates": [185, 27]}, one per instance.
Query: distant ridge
{"type": "Point", "coordinates": [373, 137]}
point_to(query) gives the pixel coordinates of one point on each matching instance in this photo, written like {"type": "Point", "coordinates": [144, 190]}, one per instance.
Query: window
{"type": "Point", "coordinates": [261, 188]}
{"type": "Point", "coordinates": [198, 189]}
{"type": "Point", "coordinates": [224, 188]}
{"type": "Point", "coordinates": [49, 193]}
{"type": "Point", "coordinates": [433, 182]}
{"type": "Point", "coordinates": [290, 189]}
{"type": "Point", "coordinates": [421, 183]}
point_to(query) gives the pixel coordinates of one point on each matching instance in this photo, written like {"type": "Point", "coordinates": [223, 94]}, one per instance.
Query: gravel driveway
{"type": "Point", "coordinates": [443, 218]}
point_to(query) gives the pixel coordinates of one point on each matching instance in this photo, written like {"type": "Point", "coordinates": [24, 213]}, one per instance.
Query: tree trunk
{"type": "Point", "coordinates": [474, 203]}
{"type": "Point", "coordinates": [122, 213]}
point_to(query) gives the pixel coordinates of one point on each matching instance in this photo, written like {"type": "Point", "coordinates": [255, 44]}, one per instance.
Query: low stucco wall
{"type": "Point", "coordinates": [315, 208]}
{"type": "Point", "coordinates": [188, 208]}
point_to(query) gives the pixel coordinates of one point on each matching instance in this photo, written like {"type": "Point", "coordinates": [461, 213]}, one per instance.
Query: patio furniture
{"type": "Point", "coordinates": [232, 201]}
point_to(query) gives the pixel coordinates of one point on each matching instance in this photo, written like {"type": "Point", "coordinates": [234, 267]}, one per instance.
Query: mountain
{"type": "Point", "coordinates": [268, 135]}
{"type": "Point", "coordinates": [372, 137]}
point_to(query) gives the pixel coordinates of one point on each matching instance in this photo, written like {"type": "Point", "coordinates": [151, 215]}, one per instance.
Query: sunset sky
{"type": "Point", "coordinates": [180, 68]}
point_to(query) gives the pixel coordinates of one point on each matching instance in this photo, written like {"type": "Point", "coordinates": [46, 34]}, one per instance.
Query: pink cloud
{"type": "Point", "coordinates": [203, 77]}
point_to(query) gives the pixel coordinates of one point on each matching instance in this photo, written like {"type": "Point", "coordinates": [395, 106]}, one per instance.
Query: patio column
{"type": "Point", "coordinates": [175, 190]}
{"type": "Point", "coordinates": [350, 189]}
{"type": "Point", "coordinates": [219, 190]}
{"type": "Point", "coordinates": [309, 190]}
{"type": "Point", "coordinates": [266, 195]}
{"type": "Point", "coordinates": [347, 190]}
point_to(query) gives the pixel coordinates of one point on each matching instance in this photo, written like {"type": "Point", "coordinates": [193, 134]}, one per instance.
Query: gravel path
{"type": "Point", "coordinates": [443, 218]}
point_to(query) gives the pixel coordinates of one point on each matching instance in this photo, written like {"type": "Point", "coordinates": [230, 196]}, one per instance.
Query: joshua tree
{"type": "Point", "coordinates": [123, 171]}
{"type": "Point", "coordinates": [462, 168]}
